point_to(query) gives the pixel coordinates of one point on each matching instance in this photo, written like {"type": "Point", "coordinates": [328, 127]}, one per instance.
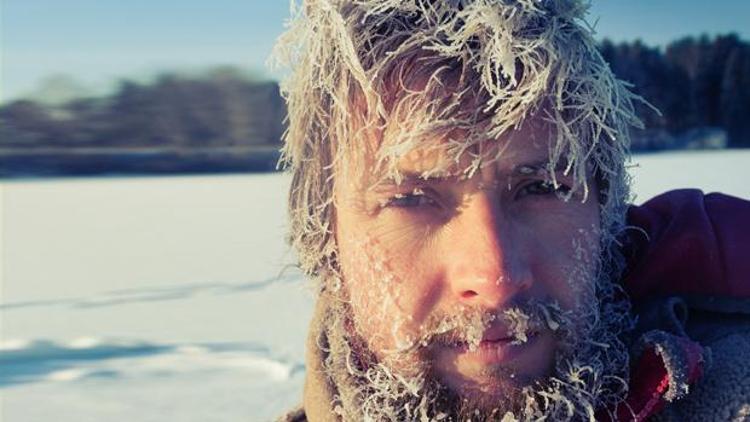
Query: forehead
{"type": "Point", "coordinates": [448, 156]}
{"type": "Point", "coordinates": [399, 151]}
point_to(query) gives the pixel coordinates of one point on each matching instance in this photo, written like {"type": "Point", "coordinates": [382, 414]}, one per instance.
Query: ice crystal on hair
{"type": "Point", "coordinates": [363, 69]}
{"type": "Point", "coordinates": [519, 325]}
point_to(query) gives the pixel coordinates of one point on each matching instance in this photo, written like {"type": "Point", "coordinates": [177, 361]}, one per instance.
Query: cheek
{"type": "Point", "coordinates": [380, 289]}
{"type": "Point", "coordinates": [567, 260]}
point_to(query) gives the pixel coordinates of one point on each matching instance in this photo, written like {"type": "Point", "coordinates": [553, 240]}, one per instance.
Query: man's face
{"type": "Point", "coordinates": [470, 256]}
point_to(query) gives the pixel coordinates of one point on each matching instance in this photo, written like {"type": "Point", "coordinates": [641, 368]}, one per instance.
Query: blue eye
{"type": "Point", "coordinates": [542, 188]}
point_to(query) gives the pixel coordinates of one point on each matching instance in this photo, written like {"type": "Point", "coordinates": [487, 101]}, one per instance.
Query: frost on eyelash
{"type": "Point", "coordinates": [383, 202]}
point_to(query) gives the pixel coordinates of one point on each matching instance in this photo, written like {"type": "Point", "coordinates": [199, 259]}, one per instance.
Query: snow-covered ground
{"type": "Point", "coordinates": [172, 298]}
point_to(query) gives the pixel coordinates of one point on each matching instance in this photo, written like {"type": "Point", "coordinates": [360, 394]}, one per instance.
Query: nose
{"type": "Point", "coordinates": [488, 262]}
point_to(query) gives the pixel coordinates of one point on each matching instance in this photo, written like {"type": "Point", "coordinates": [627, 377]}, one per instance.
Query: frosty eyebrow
{"type": "Point", "coordinates": [537, 167]}
{"type": "Point", "coordinates": [411, 178]}
{"type": "Point", "coordinates": [415, 179]}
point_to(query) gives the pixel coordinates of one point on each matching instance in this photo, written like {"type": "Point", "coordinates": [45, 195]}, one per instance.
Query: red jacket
{"type": "Point", "coordinates": [697, 244]}
{"type": "Point", "coordinates": [685, 244]}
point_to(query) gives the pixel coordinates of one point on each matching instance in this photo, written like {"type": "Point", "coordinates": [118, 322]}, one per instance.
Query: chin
{"type": "Point", "coordinates": [496, 389]}
{"type": "Point", "coordinates": [488, 398]}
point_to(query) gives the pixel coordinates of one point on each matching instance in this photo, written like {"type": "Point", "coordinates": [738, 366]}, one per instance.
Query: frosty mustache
{"type": "Point", "coordinates": [467, 326]}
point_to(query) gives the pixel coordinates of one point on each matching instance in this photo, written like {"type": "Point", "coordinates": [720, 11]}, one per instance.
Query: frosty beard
{"type": "Point", "coordinates": [589, 372]}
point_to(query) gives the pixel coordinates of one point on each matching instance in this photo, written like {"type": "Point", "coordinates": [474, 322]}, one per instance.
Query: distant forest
{"type": "Point", "coordinates": [697, 83]}
{"type": "Point", "coordinates": [222, 108]}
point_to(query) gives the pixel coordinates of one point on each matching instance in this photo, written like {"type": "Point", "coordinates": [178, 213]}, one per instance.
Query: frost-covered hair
{"type": "Point", "coordinates": [486, 66]}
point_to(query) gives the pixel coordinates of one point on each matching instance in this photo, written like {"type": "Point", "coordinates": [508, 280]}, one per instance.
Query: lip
{"type": "Point", "coordinates": [496, 348]}
{"type": "Point", "coordinates": [496, 333]}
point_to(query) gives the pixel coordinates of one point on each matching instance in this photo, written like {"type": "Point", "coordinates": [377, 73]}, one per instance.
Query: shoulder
{"type": "Point", "coordinates": [684, 242]}
{"type": "Point", "coordinates": [688, 274]}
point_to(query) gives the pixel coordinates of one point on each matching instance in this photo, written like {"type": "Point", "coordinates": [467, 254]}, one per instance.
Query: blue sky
{"type": "Point", "coordinates": [100, 41]}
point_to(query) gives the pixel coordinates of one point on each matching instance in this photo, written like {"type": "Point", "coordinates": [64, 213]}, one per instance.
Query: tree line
{"type": "Point", "coordinates": [695, 82]}
{"type": "Point", "coordinates": [222, 108]}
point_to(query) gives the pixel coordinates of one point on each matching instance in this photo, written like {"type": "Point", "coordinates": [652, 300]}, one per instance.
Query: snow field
{"type": "Point", "coordinates": [172, 298]}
